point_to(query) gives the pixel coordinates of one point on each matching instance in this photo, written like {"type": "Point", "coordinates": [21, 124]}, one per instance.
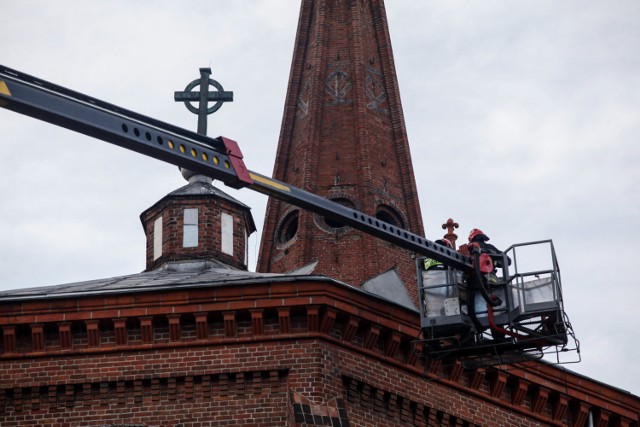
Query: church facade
{"type": "Point", "coordinates": [208, 346]}
{"type": "Point", "coordinates": [309, 340]}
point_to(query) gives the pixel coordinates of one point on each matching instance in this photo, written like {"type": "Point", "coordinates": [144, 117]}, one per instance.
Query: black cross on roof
{"type": "Point", "coordinates": [203, 97]}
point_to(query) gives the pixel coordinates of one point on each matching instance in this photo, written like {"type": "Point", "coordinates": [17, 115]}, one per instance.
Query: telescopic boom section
{"type": "Point", "coordinates": [219, 158]}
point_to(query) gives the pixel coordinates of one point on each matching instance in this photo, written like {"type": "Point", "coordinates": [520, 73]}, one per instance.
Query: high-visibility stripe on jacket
{"type": "Point", "coordinates": [430, 263]}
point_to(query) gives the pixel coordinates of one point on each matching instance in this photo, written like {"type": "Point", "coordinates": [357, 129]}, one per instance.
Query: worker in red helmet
{"type": "Point", "coordinates": [477, 236]}
{"type": "Point", "coordinates": [479, 239]}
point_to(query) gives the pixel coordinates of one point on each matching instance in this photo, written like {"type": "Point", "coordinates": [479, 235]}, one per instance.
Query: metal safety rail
{"type": "Point", "coordinates": [530, 321]}
{"type": "Point", "coordinates": [219, 158]}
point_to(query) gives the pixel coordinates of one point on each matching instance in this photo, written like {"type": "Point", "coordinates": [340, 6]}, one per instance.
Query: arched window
{"type": "Point", "coordinates": [389, 215]}
{"type": "Point", "coordinates": [333, 225]}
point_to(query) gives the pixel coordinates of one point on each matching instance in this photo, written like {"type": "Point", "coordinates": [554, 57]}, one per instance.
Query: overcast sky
{"type": "Point", "coordinates": [523, 119]}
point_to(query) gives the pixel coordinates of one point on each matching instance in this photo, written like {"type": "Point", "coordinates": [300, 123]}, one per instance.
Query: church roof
{"type": "Point", "coordinates": [200, 188]}
{"type": "Point", "coordinates": [173, 275]}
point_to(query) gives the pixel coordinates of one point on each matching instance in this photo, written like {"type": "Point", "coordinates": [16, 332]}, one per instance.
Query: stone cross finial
{"type": "Point", "coordinates": [450, 225]}
{"type": "Point", "coordinates": [202, 97]}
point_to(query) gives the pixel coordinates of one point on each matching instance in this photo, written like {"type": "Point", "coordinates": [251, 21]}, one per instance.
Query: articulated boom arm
{"type": "Point", "coordinates": [219, 158]}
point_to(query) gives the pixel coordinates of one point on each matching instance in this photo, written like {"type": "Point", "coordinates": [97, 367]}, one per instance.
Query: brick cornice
{"type": "Point", "coordinates": [333, 307]}
{"type": "Point", "coordinates": [577, 387]}
{"type": "Point", "coordinates": [223, 298]}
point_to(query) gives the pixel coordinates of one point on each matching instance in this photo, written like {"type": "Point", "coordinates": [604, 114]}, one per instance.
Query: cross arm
{"type": "Point", "coordinates": [225, 96]}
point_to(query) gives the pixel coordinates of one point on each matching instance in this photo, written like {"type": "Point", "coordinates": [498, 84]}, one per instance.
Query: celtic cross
{"type": "Point", "coordinates": [203, 97]}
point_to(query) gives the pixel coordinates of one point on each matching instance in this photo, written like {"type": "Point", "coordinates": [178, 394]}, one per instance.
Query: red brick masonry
{"type": "Point", "coordinates": [248, 354]}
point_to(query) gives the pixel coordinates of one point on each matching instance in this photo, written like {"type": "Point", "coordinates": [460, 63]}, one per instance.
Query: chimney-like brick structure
{"type": "Point", "coordinates": [343, 137]}
{"type": "Point", "coordinates": [197, 222]}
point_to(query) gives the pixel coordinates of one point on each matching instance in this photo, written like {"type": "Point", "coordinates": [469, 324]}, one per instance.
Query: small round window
{"type": "Point", "coordinates": [331, 224]}
{"type": "Point", "coordinates": [288, 228]}
{"type": "Point", "coordinates": [389, 215]}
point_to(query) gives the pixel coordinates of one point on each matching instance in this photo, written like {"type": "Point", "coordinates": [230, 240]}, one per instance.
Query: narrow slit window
{"type": "Point", "coordinates": [157, 238]}
{"type": "Point", "coordinates": [227, 233]}
{"type": "Point", "coordinates": [190, 231]}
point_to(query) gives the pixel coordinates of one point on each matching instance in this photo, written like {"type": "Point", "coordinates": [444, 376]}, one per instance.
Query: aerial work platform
{"type": "Point", "coordinates": [514, 314]}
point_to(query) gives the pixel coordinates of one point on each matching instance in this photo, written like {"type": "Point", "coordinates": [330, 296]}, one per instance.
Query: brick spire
{"type": "Point", "coordinates": [343, 137]}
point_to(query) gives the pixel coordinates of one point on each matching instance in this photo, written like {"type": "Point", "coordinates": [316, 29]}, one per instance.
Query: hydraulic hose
{"type": "Point", "coordinates": [500, 329]}
{"type": "Point", "coordinates": [493, 301]}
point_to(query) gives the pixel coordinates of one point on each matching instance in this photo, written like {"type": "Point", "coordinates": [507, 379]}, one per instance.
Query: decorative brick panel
{"type": "Point", "coordinates": [580, 412]}
{"type": "Point", "coordinates": [257, 321]}
{"type": "Point", "coordinates": [188, 387]}
{"type": "Point", "coordinates": [477, 377]}
{"type": "Point", "coordinates": [519, 389]}
{"type": "Point", "coordinates": [146, 329]}
{"type": "Point", "coordinates": [540, 397]}
{"type": "Point", "coordinates": [93, 333]}
{"type": "Point", "coordinates": [497, 383]}
{"type": "Point", "coordinates": [37, 337]}
{"type": "Point", "coordinates": [175, 328]}
{"type": "Point", "coordinates": [560, 405]}
{"type": "Point", "coordinates": [9, 338]}
{"type": "Point", "coordinates": [155, 389]}
{"type": "Point", "coordinates": [202, 326]}
{"type": "Point", "coordinates": [230, 328]}
{"type": "Point", "coordinates": [456, 371]}
{"type": "Point", "coordinates": [393, 344]}
{"type": "Point", "coordinates": [601, 418]}
{"type": "Point", "coordinates": [624, 422]}
{"type": "Point", "coordinates": [120, 331]}
{"type": "Point", "coordinates": [17, 399]}
{"type": "Point", "coordinates": [415, 353]}
{"type": "Point", "coordinates": [371, 337]}
{"type": "Point", "coordinates": [35, 398]}
{"type": "Point", "coordinates": [52, 397]}
{"type": "Point", "coordinates": [257, 383]}
{"type": "Point", "coordinates": [64, 333]}
{"type": "Point", "coordinates": [137, 391]}
{"type": "Point", "coordinates": [328, 320]}
{"type": "Point", "coordinates": [284, 320]}
{"type": "Point", "coordinates": [434, 365]}
{"type": "Point", "coordinates": [349, 328]}
{"type": "Point", "coordinates": [313, 320]}
{"type": "Point", "coordinates": [172, 388]}
{"type": "Point", "coordinates": [86, 392]}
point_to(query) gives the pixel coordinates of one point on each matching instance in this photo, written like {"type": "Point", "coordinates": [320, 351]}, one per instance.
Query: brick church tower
{"type": "Point", "coordinates": [343, 137]}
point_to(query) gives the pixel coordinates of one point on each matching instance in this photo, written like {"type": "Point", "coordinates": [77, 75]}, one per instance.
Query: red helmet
{"type": "Point", "coordinates": [475, 233]}
{"type": "Point", "coordinates": [444, 242]}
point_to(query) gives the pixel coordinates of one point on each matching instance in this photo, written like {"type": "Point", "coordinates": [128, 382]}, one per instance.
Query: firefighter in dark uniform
{"type": "Point", "coordinates": [479, 239]}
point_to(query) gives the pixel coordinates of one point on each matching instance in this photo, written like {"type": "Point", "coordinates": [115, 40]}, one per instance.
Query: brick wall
{"type": "Point", "coordinates": [267, 354]}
